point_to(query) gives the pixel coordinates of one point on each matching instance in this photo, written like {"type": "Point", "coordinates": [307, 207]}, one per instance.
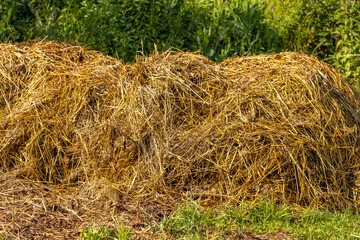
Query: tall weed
{"type": "Point", "coordinates": [236, 28]}
{"type": "Point", "coordinates": [328, 29]}
{"type": "Point", "coordinates": [220, 29]}
{"type": "Point", "coordinates": [347, 51]}
{"type": "Point", "coordinates": [123, 28]}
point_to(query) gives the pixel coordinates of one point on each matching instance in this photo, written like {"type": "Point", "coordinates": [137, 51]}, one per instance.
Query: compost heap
{"type": "Point", "coordinates": [282, 126]}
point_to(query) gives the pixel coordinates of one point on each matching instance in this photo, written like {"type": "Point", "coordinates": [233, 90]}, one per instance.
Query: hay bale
{"type": "Point", "coordinates": [284, 126]}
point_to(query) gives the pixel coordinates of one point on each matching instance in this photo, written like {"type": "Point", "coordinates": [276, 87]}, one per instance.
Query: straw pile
{"type": "Point", "coordinates": [283, 126]}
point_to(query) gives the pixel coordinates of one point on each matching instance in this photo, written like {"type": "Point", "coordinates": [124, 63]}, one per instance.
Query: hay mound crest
{"type": "Point", "coordinates": [284, 126]}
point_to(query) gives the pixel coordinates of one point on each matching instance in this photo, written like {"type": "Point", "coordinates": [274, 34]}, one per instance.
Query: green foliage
{"type": "Point", "coordinates": [326, 225]}
{"type": "Point", "coordinates": [26, 19]}
{"type": "Point", "coordinates": [314, 32]}
{"type": "Point", "coordinates": [220, 29]}
{"type": "Point", "coordinates": [190, 222]}
{"type": "Point", "coordinates": [120, 28]}
{"type": "Point", "coordinates": [235, 28]}
{"type": "Point", "coordinates": [329, 29]}
{"type": "Point", "coordinates": [123, 28]}
{"type": "Point", "coordinates": [347, 52]}
{"type": "Point", "coordinates": [11, 26]}
{"type": "Point", "coordinates": [102, 233]}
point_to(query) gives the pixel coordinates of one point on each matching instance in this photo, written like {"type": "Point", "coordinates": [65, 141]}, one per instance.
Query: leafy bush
{"type": "Point", "coordinates": [122, 28]}
{"type": "Point", "coordinates": [235, 28]}
{"type": "Point", "coordinates": [12, 26]}
{"type": "Point", "coordinates": [347, 51]}
{"type": "Point", "coordinates": [220, 29]}
{"type": "Point", "coordinates": [22, 20]}
{"type": "Point", "coordinates": [126, 27]}
{"type": "Point", "coordinates": [328, 29]}
{"type": "Point", "coordinates": [119, 28]}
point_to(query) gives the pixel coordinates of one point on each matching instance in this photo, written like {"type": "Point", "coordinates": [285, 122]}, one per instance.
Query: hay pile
{"type": "Point", "coordinates": [284, 126]}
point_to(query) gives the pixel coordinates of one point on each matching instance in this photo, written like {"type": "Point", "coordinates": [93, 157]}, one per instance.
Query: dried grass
{"type": "Point", "coordinates": [283, 126]}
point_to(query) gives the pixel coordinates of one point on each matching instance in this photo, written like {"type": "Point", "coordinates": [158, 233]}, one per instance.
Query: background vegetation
{"type": "Point", "coordinates": [190, 221]}
{"type": "Point", "coordinates": [328, 29]}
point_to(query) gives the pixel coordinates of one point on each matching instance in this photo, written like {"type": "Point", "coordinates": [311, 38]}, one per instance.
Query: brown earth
{"type": "Point", "coordinates": [36, 210]}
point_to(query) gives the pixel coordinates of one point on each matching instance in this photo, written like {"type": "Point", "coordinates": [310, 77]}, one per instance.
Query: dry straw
{"type": "Point", "coordinates": [283, 126]}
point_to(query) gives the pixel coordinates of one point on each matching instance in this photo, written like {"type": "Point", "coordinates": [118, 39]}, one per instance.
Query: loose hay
{"type": "Point", "coordinates": [283, 126]}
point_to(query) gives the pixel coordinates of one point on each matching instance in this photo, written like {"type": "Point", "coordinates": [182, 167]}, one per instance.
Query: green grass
{"type": "Point", "coordinates": [193, 222]}
{"type": "Point", "coordinates": [102, 233]}
{"type": "Point", "coordinates": [106, 233]}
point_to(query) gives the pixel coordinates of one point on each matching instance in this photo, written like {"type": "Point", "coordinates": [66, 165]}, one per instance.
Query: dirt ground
{"type": "Point", "coordinates": [34, 210]}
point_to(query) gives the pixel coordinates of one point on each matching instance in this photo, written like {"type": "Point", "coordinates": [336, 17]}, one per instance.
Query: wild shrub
{"type": "Point", "coordinates": [328, 29]}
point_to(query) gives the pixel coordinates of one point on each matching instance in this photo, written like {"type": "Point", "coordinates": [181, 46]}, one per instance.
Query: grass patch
{"type": "Point", "coordinates": [99, 233]}
{"type": "Point", "coordinates": [94, 233]}
{"type": "Point", "coordinates": [263, 220]}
